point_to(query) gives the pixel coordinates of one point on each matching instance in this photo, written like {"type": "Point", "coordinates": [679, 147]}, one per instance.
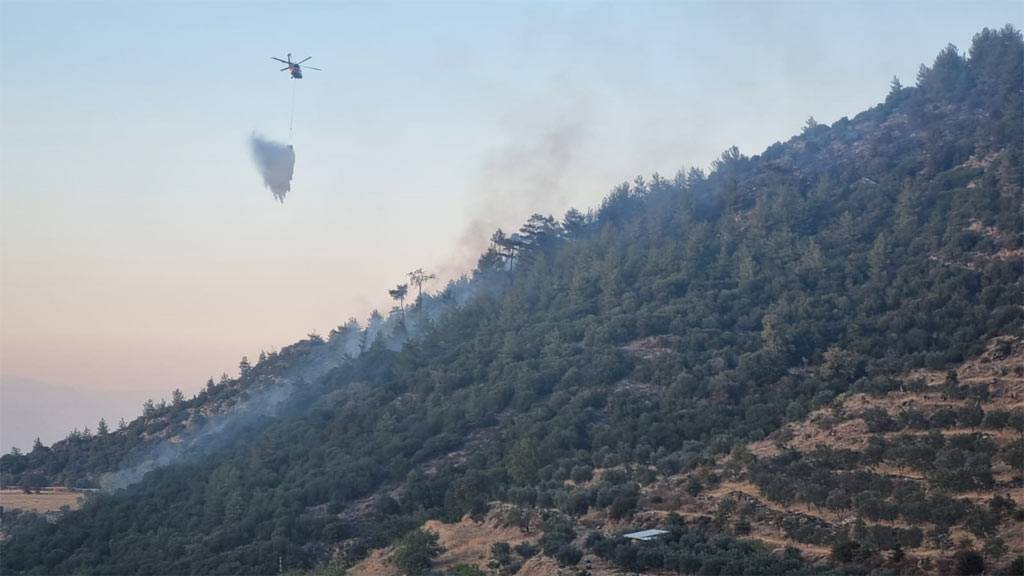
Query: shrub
{"type": "Point", "coordinates": [416, 552]}
{"type": "Point", "coordinates": [968, 563]}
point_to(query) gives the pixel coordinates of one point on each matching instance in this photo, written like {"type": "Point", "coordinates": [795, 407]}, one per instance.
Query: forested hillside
{"type": "Point", "coordinates": [632, 367]}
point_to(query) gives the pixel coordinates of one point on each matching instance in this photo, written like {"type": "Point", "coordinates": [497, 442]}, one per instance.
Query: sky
{"type": "Point", "coordinates": [141, 252]}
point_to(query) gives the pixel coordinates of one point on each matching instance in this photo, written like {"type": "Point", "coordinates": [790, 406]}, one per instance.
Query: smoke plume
{"type": "Point", "coordinates": [294, 379]}
{"type": "Point", "coordinates": [276, 163]}
{"type": "Point", "coordinates": [526, 174]}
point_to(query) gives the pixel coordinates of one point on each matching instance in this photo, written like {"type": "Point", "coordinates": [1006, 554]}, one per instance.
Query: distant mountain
{"type": "Point", "coordinates": [792, 364]}
{"type": "Point", "coordinates": [31, 409]}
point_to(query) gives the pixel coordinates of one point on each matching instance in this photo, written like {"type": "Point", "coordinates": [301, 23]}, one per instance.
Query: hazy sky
{"type": "Point", "coordinates": [140, 251]}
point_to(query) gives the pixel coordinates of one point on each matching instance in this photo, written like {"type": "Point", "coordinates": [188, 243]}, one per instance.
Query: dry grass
{"type": "Point", "coordinates": [48, 500]}
{"type": "Point", "coordinates": [539, 565]}
{"type": "Point", "coordinates": [1000, 371]}
{"type": "Point", "coordinates": [465, 542]}
{"type": "Point", "coordinates": [840, 426]}
{"type": "Point", "coordinates": [469, 542]}
{"type": "Point", "coordinates": [376, 564]}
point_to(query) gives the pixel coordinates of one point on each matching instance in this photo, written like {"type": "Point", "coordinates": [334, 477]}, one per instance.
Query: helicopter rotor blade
{"type": "Point", "coordinates": [311, 68]}
{"type": "Point", "coordinates": [286, 68]}
{"type": "Point", "coordinates": [279, 60]}
{"type": "Point", "coordinates": [301, 61]}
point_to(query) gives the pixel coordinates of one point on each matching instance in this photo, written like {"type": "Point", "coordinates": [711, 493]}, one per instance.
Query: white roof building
{"type": "Point", "coordinates": [645, 535]}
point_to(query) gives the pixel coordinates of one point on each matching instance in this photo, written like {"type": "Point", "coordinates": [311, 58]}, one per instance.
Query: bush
{"type": "Point", "coordinates": [878, 420]}
{"type": "Point", "coordinates": [845, 551]}
{"type": "Point", "coordinates": [501, 553]}
{"type": "Point", "coordinates": [1014, 568]}
{"type": "Point", "coordinates": [582, 473]}
{"type": "Point", "coordinates": [968, 563]}
{"type": "Point", "coordinates": [466, 570]}
{"type": "Point", "coordinates": [526, 550]}
{"type": "Point", "coordinates": [623, 505]}
{"type": "Point", "coordinates": [568, 555]}
{"type": "Point", "coordinates": [415, 552]}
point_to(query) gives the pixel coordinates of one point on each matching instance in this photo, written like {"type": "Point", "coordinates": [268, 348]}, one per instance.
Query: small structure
{"type": "Point", "coordinates": [645, 535]}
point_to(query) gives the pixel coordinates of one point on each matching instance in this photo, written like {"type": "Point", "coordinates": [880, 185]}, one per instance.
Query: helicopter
{"type": "Point", "coordinates": [294, 67]}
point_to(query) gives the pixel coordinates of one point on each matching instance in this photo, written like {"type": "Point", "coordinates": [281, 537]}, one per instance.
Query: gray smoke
{"type": "Point", "coordinates": [221, 430]}
{"type": "Point", "coordinates": [526, 174]}
{"type": "Point", "coordinates": [538, 166]}
{"type": "Point", "coordinates": [308, 363]}
{"type": "Point", "coordinates": [276, 163]}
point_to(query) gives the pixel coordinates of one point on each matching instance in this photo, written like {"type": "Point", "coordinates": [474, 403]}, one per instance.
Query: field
{"type": "Point", "coordinates": [48, 500]}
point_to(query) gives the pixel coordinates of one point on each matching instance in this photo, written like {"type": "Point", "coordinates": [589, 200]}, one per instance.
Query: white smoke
{"type": "Point", "coordinates": [307, 364]}
{"type": "Point", "coordinates": [276, 163]}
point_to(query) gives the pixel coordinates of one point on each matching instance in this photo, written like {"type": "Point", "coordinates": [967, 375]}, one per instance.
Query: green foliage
{"type": "Point", "coordinates": [1015, 567]}
{"type": "Point", "coordinates": [968, 563]}
{"type": "Point", "coordinates": [526, 550]}
{"type": "Point", "coordinates": [524, 462]}
{"type": "Point", "coordinates": [995, 548]}
{"type": "Point", "coordinates": [334, 567]}
{"type": "Point", "coordinates": [691, 549]}
{"type": "Point", "coordinates": [693, 486]}
{"type": "Point", "coordinates": [837, 480]}
{"type": "Point", "coordinates": [897, 554]}
{"type": "Point", "coordinates": [681, 318]}
{"type": "Point", "coordinates": [465, 570]}
{"type": "Point", "coordinates": [416, 551]}
{"type": "Point", "coordinates": [844, 551]}
{"type": "Point", "coordinates": [501, 553]}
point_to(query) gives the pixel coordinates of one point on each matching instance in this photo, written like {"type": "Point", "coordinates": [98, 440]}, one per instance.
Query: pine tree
{"type": "Point", "coordinates": [773, 344]}
{"type": "Point", "coordinates": [878, 258]}
{"type": "Point", "coordinates": [524, 462]}
{"type": "Point", "coordinates": [418, 278]}
{"type": "Point", "coordinates": [747, 268]}
{"type": "Point", "coordinates": [895, 89]}
{"type": "Point", "coordinates": [574, 222]}
{"type": "Point", "coordinates": [398, 294]}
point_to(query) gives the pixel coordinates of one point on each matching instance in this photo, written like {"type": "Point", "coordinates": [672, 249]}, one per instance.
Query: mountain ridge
{"type": "Point", "coordinates": [682, 319]}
